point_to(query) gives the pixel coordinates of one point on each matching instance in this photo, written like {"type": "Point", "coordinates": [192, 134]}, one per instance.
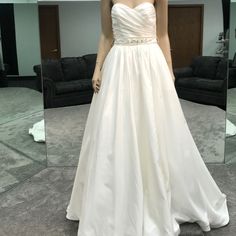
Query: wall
{"type": "Point", "coordinates": [27, 37]}
{"type": "Point", "coordinates": [79, 28]}
{"type": "Point", "coordinates": [80, 25]}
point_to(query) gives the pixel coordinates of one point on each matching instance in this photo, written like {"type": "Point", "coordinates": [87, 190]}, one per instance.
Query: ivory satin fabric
{"type": "Point", "coordinates": [140, 172]}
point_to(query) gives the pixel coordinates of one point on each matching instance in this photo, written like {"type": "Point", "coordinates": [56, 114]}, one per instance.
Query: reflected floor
{"type": "Point", "coordinates": [230, 150]}
{"type": "Point", "coordinates": [37, 207]}
{"type": "Point", "coordinates": [21, 157]}
{"type": "Point", "coordinates": [65, 127]}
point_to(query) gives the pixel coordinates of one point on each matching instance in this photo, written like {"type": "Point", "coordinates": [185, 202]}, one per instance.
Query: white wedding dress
{"type": "Point", "coordinates": [140, 172]}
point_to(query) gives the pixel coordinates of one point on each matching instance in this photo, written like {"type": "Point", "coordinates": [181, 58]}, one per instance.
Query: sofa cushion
{"type": "Point", "coordinates": [201, 83]}
{"type": "Point", "coordinates": [90, 60]}
{"type": "Point", "coordinates": [73, 86]}
{"type": "Point", "coordinates": [183, 72]}
{"type": "Point", "coordinates": [74, 68]}
{"type": "Point", "coordinates": [221, 72]}
{"type": "Point", "coordinates": [205, 66]}
{"type": "Point", "coordinates": [51, 68]}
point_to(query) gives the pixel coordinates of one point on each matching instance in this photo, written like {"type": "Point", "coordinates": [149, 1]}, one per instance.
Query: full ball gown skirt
{"type": "Point", "coordinates": [140, 172]}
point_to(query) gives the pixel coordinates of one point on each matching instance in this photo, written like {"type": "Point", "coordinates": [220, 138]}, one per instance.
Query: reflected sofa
{"type": "Point", "coordinates": [203, 81]}
{"type": "Point", "coordinates": [66, 81]}
{"type": "Point", "coordinates": [3, 76]}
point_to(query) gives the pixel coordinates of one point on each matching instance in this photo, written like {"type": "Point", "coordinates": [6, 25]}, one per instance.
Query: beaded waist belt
{"type": "Point", "coordinates": [136, 41]}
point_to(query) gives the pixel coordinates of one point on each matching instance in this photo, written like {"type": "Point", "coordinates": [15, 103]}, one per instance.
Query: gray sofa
{"type": "Point", "coordinates": [203, 81]}
{"type": "Point", "coordinates": [67, 81]}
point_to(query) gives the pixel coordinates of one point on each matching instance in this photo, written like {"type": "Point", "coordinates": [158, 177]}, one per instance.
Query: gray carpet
{"type": "Point", "coordinates": [230, 150]}
{"type": "Point", "coordinates": [20, 156]}
{"type": "Point", "coordinates": [231, 101]}
{"type": "Point", "coordinates": [65, 127]}
{"type": "Point", "coordinates": [64, 132]}
{"type": "Point", "coordinates": [207, 125]}
{"type": "Point", "coordinates": [16, 135]}
{"type": "Point", "coordinates": [37, 206]}
{"type": "Point", "coordinates": [15, 167]}
{"type": "Point", "coordinates": [17, 102]}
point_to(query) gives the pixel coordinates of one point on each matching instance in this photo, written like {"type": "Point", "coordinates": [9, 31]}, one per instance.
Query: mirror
{"type": "Point", "coordinates": [22, 138]}
{"type": "Point", "coordinates": [199, 54]}
{"type": "Point", "coordinates": [68, 59]}
{"type": "Point", "coordinates": [69, 54]}
{"type": "Point", "coordinates": [230, 149]}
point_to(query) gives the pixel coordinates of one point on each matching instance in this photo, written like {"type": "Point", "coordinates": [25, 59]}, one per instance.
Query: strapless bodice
{"type": "Point", "coordinates": [134, 25]}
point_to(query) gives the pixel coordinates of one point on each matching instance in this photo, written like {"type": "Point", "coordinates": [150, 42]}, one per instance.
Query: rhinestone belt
{"type": "Point", "coordinates": [136, 41]}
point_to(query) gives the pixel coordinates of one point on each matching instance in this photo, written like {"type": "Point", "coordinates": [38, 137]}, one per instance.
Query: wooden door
{"type": "Point", "coordinates": [185, 33]}
{"type": "Point", "coordinates": [49, 32]}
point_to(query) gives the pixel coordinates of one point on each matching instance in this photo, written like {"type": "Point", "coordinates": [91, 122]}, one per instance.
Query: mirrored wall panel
{"type": "Point", "coordinates": [230, 144]}
{"type": "Point", "coordinates": [69, 33]}
{"type": "Point", "coordinates": [22, 135]}
{"type": "Point", "coordinates": [199, 53]}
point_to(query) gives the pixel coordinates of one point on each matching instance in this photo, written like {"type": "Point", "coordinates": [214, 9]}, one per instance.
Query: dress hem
{"type": "Point", "coordinates": [204, 228]}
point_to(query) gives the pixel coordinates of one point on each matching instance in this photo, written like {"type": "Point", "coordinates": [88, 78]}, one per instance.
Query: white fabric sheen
{"type": "Point", "coordinates": [140, 172]}
{"type": "Point", "coordinates": [38, 131]}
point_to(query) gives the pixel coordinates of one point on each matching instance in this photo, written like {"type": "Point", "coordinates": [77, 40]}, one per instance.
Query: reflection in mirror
{"type": "Point", "coordinates": [199, 54]}
{"type": "Point", "coordinates": [69, 35]}
{"type": "Point", "coordinates": [22, 141]}
{"type": "Point", "coordinates": [230, 147]}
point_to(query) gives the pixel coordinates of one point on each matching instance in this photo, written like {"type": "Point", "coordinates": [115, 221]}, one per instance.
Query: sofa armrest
{"type": "Point", "coordinates": [183, 72]}
{"type": "Point", "coordinates": [48, 92]}
{"type": "Point", "coordinates": [224, 86]}
{"type": "Point", "coordinates": [232, 78]}
{"type": "Point", "coordinates": [49, 85]}
{"type": "Point", "coordinates": [37, 70]}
